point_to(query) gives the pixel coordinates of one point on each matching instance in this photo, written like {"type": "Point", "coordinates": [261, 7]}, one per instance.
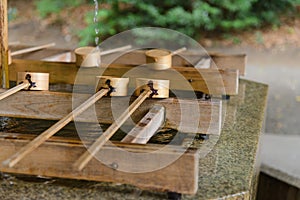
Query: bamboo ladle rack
{"type": "Point", "coordinates": [145, 88]}
{"type": "Point", "coordinates": [110, 87]}
{"type": "Point", "coordinates": [29, 81]}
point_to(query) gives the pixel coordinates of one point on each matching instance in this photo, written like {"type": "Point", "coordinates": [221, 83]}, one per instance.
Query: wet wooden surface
{"type": "Point", "coordinates": [61, 155]}
{"type": "Point", "coordinates": [137, 57]}
{"type": "Point", "coordinates": [185, 115]}
{"type": "Point", "coordinates": [209, 81]}
{"type": "Point", "coordinates": [228, 171]}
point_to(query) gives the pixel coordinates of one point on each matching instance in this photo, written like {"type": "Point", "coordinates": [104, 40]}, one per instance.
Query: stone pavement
{"type": "Point", "coordinates": [280, 156]}
{"type": "Point", "coordinates": [280, 145]}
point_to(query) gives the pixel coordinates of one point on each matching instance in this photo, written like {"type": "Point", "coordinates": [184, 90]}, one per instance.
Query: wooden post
{"type": "Point", "coordinates": [4, 80]}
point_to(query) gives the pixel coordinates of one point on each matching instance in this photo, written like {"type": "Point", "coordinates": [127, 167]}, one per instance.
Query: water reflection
{"type": "Point", "coordinates": [35, 127]}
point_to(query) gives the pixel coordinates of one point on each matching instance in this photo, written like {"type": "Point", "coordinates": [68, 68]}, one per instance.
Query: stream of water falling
{"type": "Point", "coordinates": [96, 23]}
{"type": "Point", "coordinates": [97, 30]}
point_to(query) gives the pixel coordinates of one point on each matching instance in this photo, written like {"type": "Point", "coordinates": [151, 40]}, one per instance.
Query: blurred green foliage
{"type": "Point", "coordinates": [12, 14]}
{"type": "Point", "coordinates": [189, 16]}
{"type": "Point", "coordinates": [46, 7]}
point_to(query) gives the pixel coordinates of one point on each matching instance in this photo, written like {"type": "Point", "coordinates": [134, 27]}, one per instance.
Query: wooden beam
{"type": "Point", "coordinates": [3, 44]}
{"type": "Point", "coordinates": [54, 128]}
{"type": "Point", "coordinates": [60, 72]}
{"type": "Point", "coordinates": [57, 139]}
{"type": "Point", "coordinates": [224, 61]}
{"type": "Point", "coordinates": [220, 61]}
{"type": "Point", "coordinates": [181, 114]}
{"type": "Point", "coordinates": [85, 158]}
{"type": "Point", "coordinates": [209, 81]}
{"type": "Point", "coordinates": [180, 176]}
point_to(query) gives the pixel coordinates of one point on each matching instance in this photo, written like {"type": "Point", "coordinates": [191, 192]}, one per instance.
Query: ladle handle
{"type": "Point", "coordinates": [115, 50]}
{"type": "Point", "coordinates": [31, 146]}
{"type": "Point", "coordinates": [13, 90]}
{"type": "Point", "coordinates": [147, 126]}
{"type": "Point", "coordinates": [97, 145]}
{"type": "Point", "coordinates": [27, 50]}
{"type": "Point", "coordinates": [178, 51]}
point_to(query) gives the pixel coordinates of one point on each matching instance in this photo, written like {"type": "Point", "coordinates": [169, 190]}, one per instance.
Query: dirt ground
{"type": "Point", "coordinates": [273, 56]}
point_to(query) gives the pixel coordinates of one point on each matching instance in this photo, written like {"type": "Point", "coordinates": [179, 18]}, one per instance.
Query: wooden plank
{"type": "Point", "coordinates": [147, 127]}
{"type": "Point", "coordinates": [57, 139]}
{"type": "Point", "coordinates": [3, 44]}
{"type": "Point", "coordinates": [221, 61]}
{"type": "Point", "coordinates": [85, 158]}
{"type": "Point", "coordinates": [60, 72]}
{"type": "Point", "coordinates": [41, 138]}
{"type": "Point", "coordinates": [55, 105]}
{"type": "Point", "coordinates": [224, 61]}
{"type": "Point", "coordinates": [180, 176]}
{"type": "Point", "coordinates": [209, 81]}
{"type": "Point", "coordinates": [62, 57]}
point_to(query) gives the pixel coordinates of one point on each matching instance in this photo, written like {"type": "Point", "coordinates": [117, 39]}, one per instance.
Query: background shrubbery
{"type": "Point", "coordinates": [189, 16]}
{"type": "Point", "coordinates": [46, 7]}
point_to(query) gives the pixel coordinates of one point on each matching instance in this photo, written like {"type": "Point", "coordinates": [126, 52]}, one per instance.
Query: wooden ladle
{"type": "Point", "coordinates": [161, 59]}
{"type": "Point", "coordinates": [27, 50]}
{"type": "Point", "coordinates": [145, 88]}
{"type": "Point", "coordinates": [109, 87]}
{"type": "Point", "coordinates": [90, 57]}
{"type": "Point", "coordinates": [29, 81]}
